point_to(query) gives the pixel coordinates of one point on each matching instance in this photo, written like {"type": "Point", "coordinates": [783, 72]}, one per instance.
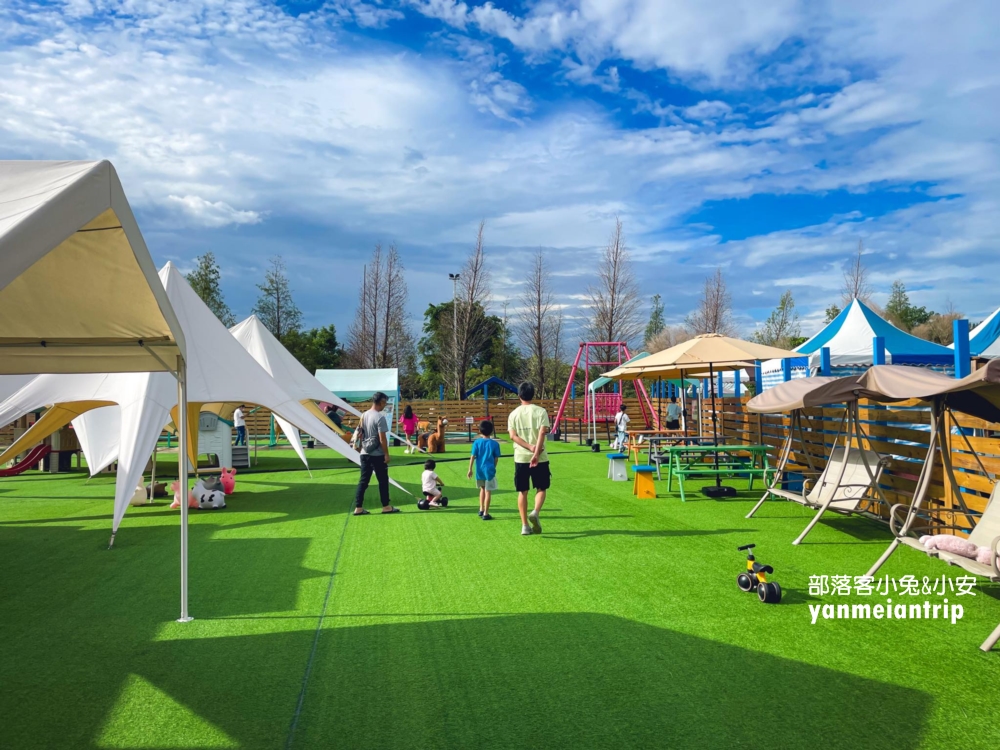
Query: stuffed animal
{"type": "Point", "coordinates": [959, 546]}
{"type": "Point", "coordinates": [139, 496]}
{"type": "Point", "coordinates": [228, 480]}
{"type": "Point", "coordinates": [157, 489]}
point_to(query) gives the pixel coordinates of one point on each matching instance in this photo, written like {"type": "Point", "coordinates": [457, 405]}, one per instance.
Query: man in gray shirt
{"type": "Point", "coordinates": [371, 435]}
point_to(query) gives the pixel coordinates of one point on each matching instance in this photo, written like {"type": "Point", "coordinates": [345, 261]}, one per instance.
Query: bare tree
{"type": "Point", "coordinates": [715, 311]}
{"type": "Point", "coordinates": [534, 330]}
{"type": "Point", "coordinates": [614, 301]}
{"type": "Point", "coordinates": [380, 336]}
{"type": "Point", "coordinates": [557, 368]}
{"type": "Point", "coordinates": [667, 337]}
{"type": "Point", "coordinates": [856, 284]}
{"type": "Point", "coordinates": [467, 325]}
{"type": "Point", "coordinates": [940, 328]}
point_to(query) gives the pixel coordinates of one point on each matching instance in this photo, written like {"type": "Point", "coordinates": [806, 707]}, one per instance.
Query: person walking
{"type": "Point", "coordinates": [673, 414]}
{"type": "Point", "coordinates": [622, 421]}
{"type": "Point", "coordinates": [240, 423]}
{"type": "Point", "coordinates": [374, 449]}
{"type": "Point", "coordinates": [484, 459]}
{"type": "Point", "coordinates": [528, 424]}
{"type": "Point", "coordinates": [409, 420]}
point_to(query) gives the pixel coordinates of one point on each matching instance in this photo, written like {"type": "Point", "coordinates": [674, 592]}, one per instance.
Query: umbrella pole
{"type": "Point", "coordinates": [182, 476]}
{"type": "Point", "coordinates": [719, 490]}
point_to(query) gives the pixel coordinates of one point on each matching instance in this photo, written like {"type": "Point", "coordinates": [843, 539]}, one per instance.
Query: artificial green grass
{"type": "Point", "coordinates": [620, 626]}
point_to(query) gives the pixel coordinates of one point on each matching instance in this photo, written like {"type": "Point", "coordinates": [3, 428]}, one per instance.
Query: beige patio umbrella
{"type": "Point", "coordinates": [711, 350]}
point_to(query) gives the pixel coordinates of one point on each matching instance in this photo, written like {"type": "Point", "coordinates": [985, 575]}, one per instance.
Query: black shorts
{"type": "Point", "coordinates": [538, 477]}
{"type": "Point", "coordinates": [673, 424]}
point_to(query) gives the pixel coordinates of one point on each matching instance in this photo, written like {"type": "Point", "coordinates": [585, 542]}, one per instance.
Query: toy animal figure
{"type": "Point", "coordinates": [435, 440]}
{"type": "Point", "coordinates": [228, 480]}
{"type": "Point", "coordinates": [208, 497]}
{"type": "Point", "coordinates": [175, 488]}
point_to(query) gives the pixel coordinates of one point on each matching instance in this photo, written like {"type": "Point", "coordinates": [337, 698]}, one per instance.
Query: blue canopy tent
{"type": "Point", "coordinates": [850, 338]}
{"type": "Point", "coordinates": [984, 340]}
{"type": "Point", "coordinates": [493, 380]}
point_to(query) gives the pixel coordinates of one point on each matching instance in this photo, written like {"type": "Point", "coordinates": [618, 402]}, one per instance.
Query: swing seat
{"type": "Point", "coordinates": [842, 487]}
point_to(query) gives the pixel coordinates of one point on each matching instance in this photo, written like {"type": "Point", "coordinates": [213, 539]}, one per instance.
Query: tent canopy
{"type": "Point", "coordinates": [984, 340]}
{"type": "Point", "coordinates": [360, 385]}
{"type": "Point", "coordinates": [803, 393]}
{"type": "Point", "coordinates": [282, 365]}
{"type": "Point", "coordinates": [695, 355]}
{"type": "Point", "coordinates": [849, 338]}
{"type": "Point", "coordinates": [78, 290]}
{"type": "Point", "coordinates": [977, 394]}
{"type": "Point", "coordinates": [599, 383]}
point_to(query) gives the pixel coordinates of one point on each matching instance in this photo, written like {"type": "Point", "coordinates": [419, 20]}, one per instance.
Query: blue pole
{"type": "Point", "coordinates": [736, 383]}
{"type": "Point", "coordinates": [962, 355]}
{"type": "Point", "coordinates": [486, 392]}
{"type": "Point", "coordinates": [572, 392]}
{"type": "Point", "coordinates": [824, 361]}
{"type": "Point", "coordinates": [441, 391]}
{"type": "Point", "coordinates": [758, 377]}
{"type": "Point", "coordinates": [721, 387]}
{"type": "Point", "coordinates": [704, 388]}
{"type": "Point", "coordinates": [786, 369]}
{"type": "Point", "coordinates": [878, 350]}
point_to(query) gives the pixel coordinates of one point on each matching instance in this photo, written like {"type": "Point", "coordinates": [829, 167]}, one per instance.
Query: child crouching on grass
{"type": "Point", "coordinates": [431, 484]}
{"type": "Point", "coordinates": [485, 457]}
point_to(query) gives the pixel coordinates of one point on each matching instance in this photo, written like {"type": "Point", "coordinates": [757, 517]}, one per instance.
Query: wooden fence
{"type": "Point", "coordinates": [899, 432]}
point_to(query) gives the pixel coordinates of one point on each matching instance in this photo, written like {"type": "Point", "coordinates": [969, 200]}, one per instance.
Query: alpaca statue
{"type": "Point", "coordinates": [435, 440]}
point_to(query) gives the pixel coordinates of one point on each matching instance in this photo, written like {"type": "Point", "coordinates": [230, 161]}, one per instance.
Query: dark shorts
{"type": "Point", "coordinates": [673, 424]}
{"type": "Point", "coordinates": [526, 477]}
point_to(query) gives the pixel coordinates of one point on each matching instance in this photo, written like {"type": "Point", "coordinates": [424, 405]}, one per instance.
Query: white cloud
{"type": "Point", "coordinates": [212, 214]}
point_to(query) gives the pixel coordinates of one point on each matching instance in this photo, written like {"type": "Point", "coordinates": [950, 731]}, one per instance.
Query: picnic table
{"type": "Point", "coordinates": [656, 459]}
{"type": "Point", "coordinates": [636, 436]}
{"type": "Point", "coordinates": [687, 460]}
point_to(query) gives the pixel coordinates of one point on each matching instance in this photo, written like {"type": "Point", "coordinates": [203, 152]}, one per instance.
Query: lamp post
{"type": "Point", "coordinates": [454, 324]}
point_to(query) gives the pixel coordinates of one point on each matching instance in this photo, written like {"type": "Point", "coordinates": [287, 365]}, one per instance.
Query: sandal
{"type": "Point", "coordinates": [388, 512]}
{"type": "Point", "coordinates": [361, 512]}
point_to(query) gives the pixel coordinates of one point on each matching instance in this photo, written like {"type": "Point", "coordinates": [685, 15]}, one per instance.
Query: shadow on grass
{"type": "Point", "coordinates": [658, 533]}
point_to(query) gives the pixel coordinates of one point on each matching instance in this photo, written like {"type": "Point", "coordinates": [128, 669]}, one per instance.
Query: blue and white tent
{"type": "Point", "coordinates": [984, 340]}
{"type": "Point", "coordinates": [850, 337]}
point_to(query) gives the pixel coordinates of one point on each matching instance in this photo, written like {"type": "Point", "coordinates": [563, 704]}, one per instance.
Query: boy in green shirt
{"type": "Point", "coordinates": [528, 425]}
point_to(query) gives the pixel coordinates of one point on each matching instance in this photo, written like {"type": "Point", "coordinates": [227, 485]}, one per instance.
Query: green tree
{"type": "Point", "coordinates": [204, 279]}
{"type": "Point", "coordinates": [831, 313]}
{"type": "Point", "coordinates": [901, 312]}
{"type": "Point", "coordinates": [781, 326]}
{"type": "Point", "coordinates": [316, 349]}
{"type": "Point", "coordinates": [656, 320]}
{"type": "Point", "coordinates": [275, 306]}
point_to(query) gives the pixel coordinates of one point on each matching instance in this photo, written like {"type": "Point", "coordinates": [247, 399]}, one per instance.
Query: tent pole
{"type": "Point", "coordinates": [152, 474]}
{"type": "Point", "coordinates": [182, 475]}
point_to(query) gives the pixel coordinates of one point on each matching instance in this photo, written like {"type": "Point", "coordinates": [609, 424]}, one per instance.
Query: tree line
{"type": "Point", "coordinates": [472, 337]}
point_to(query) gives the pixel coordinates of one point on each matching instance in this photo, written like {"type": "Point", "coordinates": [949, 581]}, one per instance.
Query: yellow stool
{"type": "Point", "coordinates": [642, 485]}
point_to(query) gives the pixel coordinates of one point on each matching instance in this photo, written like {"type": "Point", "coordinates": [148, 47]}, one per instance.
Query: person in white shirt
{"type": "Point", "coordinates": [240, 422]}
{"type": "Point", "coordinates": [673, 414]}
{"type": "Point", "coordinates": [431, 485]}
{"type": "Point", "coordinates": [622, 421]}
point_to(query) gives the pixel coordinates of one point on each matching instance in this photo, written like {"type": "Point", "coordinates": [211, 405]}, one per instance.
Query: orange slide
{"type": "Point", "coordinates": [37, 454]}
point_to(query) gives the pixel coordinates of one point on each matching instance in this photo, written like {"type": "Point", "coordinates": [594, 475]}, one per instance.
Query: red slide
{"type": "Point", "coordinates": [31, 460]}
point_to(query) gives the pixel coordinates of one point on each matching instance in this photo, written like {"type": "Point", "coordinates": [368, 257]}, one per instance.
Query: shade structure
{"type": "Point", "coordinates": [221, 375]}
{"type": "Point", "coordinates": [282, 365]}
{"type": "Point", "coordinates": [698, 353]}
{"type": "Point", "coordinates": [977, 395]}
{"type": "Point", "coordinates": [78, 289]}
{"type": "Point", "coordinates": [359, 385]}
{"type": "Point", "coordinates": [850, 339]}
{"type": "Point", "coordinates": [984, 339]}
{"type": "Point", "coordinates": [803, 393]}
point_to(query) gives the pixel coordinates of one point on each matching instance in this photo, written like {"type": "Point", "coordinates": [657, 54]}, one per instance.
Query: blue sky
{"type": "Point", "coordinates": [764, 138]}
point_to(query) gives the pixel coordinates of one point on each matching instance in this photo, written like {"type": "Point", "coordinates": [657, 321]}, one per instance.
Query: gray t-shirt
{"type": "Point", "coordinates": [372, 423]}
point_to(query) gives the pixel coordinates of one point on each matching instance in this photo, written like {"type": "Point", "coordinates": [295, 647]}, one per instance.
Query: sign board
{"type": "Point", "coordinates": [469, 420]}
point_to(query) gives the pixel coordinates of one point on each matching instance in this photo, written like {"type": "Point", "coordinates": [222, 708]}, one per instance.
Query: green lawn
{"type": "Point", "coordinates": [620, 626]}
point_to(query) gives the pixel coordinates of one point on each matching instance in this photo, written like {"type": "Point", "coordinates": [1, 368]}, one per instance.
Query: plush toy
{"type": "Point", "coordinates": [157, 489]}
{"type": "Point", "coordinates": [228, 480]}
{"type": "Point", "coordinates": [959, 546]}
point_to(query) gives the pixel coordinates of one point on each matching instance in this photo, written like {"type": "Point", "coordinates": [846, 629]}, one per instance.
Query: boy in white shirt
{"type": "Point", "coordinates": [431, 484]}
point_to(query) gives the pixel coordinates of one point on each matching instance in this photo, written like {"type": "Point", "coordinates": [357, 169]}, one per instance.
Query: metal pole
{"type": "Point", "coordinates": [182, 476]}
{"type": "Point", "coordinates": [454, 325]}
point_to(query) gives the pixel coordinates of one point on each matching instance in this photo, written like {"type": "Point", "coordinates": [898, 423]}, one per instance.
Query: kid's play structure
{"type": "Point", "coordinates": [602, 407]}
{"type": "Point", "coordinates": [35, 455]}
